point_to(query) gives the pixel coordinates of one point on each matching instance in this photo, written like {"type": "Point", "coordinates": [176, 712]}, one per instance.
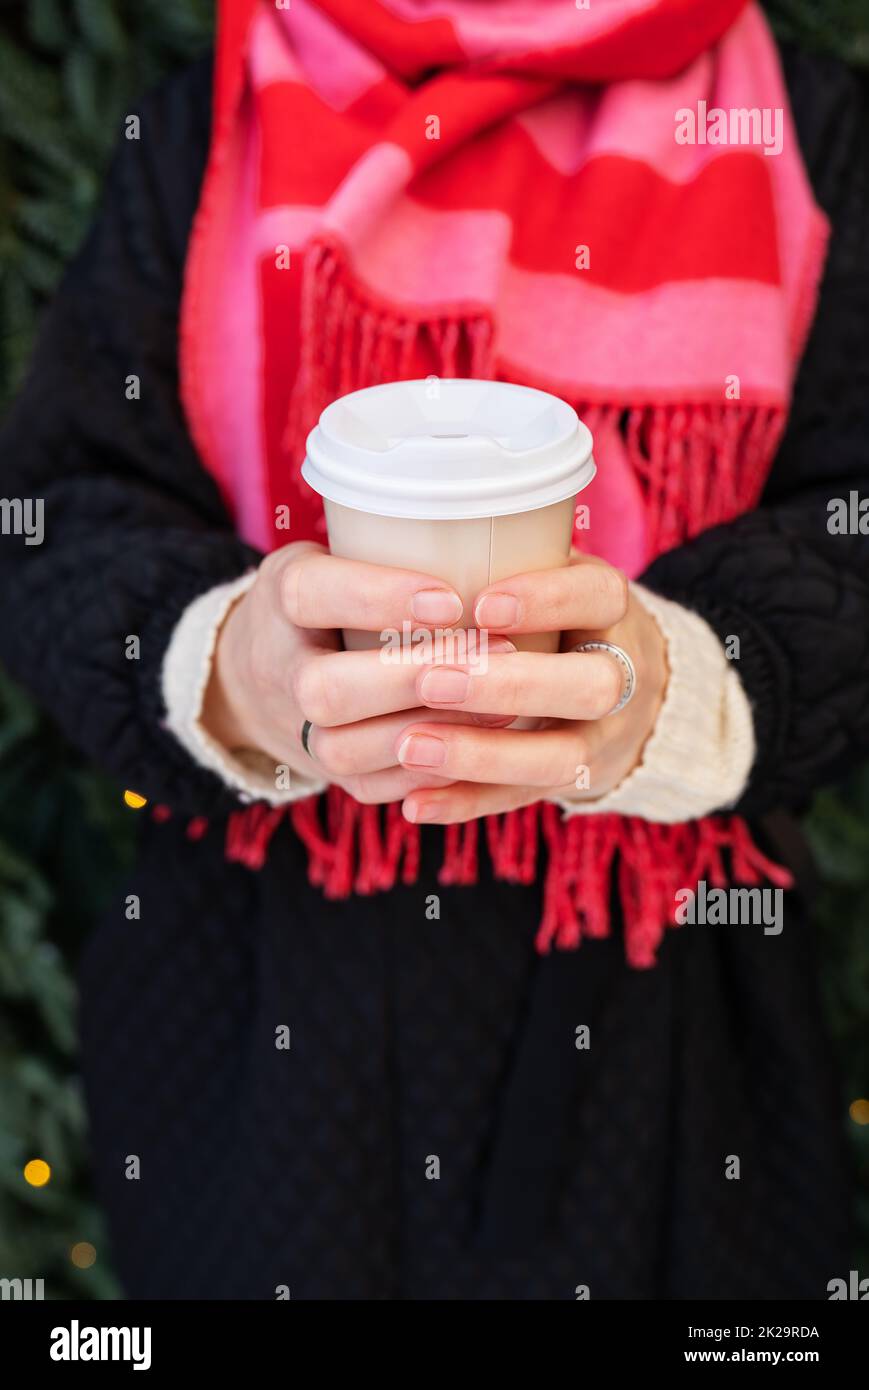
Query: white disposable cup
{"type": "Point", "coordinates": [469, 481]}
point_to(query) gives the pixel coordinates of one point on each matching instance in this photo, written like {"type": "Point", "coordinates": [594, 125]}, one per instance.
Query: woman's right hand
{"type": "Point", "coordinates": [279, 662]}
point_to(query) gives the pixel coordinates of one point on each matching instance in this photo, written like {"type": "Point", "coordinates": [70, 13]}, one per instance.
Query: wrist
{"type": "Point", "coordinates": [220, 715]}
{"type": "Point", "coordinates": [699, 742]}
{"type": "Point", "coordinates": [655, 677]}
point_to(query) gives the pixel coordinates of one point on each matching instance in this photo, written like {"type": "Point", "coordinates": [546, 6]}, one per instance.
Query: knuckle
{"type": "Point", "coordinates": [364, 790]}
{"type": "Point", "coordinates": [368, 601]}
{"type": "Point", "coordinates": [334, 754]}
{"type": "Point", "coordinates": [621, 594]}
{"type": "Point", "coordinates": [506, 691]}
{"type": "Point", "coordinates": [608, 594]}
{"type": "Point", "coordinates": [555, 595]}
{"type": "Point", "coordinates": [387, 795]}
{"type": "Point", "coordinates": [300, 684]}
{"type": "Point", "coordinates": [607, 685]}
{"type": "Point", "coordinates": [313, 692]}
{"type": "Point", "coordinates": [570, 760]}
{"type": "Point", "coordinates": [352, 785]}
{"type": "Point", "coordinates": [295, 590]}
{"type": "Point", "coordinates": [561, 766]}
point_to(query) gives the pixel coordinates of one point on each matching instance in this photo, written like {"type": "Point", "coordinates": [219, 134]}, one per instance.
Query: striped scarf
{"type": "Point", "coordinates": [604, 201]}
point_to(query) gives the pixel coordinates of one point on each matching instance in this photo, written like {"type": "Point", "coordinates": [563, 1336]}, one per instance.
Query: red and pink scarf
{"type": "Point", "coordinates": [506, 188]}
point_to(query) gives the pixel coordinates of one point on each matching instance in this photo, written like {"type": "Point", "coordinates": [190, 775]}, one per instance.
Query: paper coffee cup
{"type": "Point", "coordinates": [468, 481]}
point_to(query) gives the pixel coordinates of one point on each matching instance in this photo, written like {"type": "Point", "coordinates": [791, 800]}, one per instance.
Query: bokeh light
{"type": "Point", "coordinates": [37, 1172]}
{"type": "Point", "coordinates": [83, 1254]}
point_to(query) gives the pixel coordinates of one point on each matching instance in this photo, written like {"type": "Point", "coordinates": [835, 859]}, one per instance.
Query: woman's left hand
{"type": "Point", "coordinates": [581, 751]}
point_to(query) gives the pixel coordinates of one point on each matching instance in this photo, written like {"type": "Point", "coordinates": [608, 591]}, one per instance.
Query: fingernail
{"type": "Point", "coordinates": [443, 686]}
{"type": "Point", "coordinates": [497, 610]}
{"type": "Point", "coordinates": [419, 810]}
{"type": "Point", "coordinates": [422, 751]}
{"type": "Point", "coordinates": [500, 645]}
{"type": "Point", "coordinates": [436, 606]}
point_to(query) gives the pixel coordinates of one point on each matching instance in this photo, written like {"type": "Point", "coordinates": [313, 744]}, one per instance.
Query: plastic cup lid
{"type": "Point", "coordinates": [448, 449]}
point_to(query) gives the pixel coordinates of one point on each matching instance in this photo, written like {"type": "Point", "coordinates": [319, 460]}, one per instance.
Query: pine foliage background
{"type": "Point", "coordinates": [69, 70]}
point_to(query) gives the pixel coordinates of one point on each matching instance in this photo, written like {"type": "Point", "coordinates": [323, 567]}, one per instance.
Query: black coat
{"type": "Point", "coordinates": [414, 1039]}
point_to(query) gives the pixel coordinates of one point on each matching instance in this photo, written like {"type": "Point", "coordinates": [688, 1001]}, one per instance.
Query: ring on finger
{"type": "Point", "coordinates": [628, 670]}
{"type": "Point", "coordinates": [305, 737]}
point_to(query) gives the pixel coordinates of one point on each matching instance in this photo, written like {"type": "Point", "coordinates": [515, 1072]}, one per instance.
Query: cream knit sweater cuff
{"type": "Point", "coordinates": [697, 759]}
{"type": "Point", "coordinates": [700, 753]}
{"type": "Point", "coordinates": [186, 669]}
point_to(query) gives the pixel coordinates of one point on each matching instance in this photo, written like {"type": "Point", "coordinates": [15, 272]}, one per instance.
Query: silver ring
{"type": "Point", "coordinates": [624, 661]}
{"type": "Point", "coordinates": [306, 734]}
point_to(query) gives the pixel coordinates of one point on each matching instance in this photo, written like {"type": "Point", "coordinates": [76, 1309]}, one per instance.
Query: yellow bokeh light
{"type": "Point", "coordinates": [134, 800]}
{"type": "Point", "coordinates": [83, 1254]}
{"type": "Point", "coordinates": [859, 1111]}
{"type": "Point", "coordinates": [37, 1172]}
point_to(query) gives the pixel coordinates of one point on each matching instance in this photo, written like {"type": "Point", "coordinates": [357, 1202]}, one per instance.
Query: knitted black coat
{"type": "Point", "coordinates": [433, 1131]}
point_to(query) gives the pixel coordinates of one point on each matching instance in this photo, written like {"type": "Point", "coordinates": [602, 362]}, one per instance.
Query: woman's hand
{"type": "Point", "coordinates": [582, 752]}
{"type": "Point", "coordinates": [391, 730]}
{"type": "Point", "coordinates": [278, 663]}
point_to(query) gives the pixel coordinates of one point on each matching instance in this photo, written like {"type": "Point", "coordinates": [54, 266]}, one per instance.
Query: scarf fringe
{"type": "Point", "coordinates": [365, 849]}
{"type": "Point", "coordinates": [698, 464]}
{"type": "Point", "coordinates": [349, 341]}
